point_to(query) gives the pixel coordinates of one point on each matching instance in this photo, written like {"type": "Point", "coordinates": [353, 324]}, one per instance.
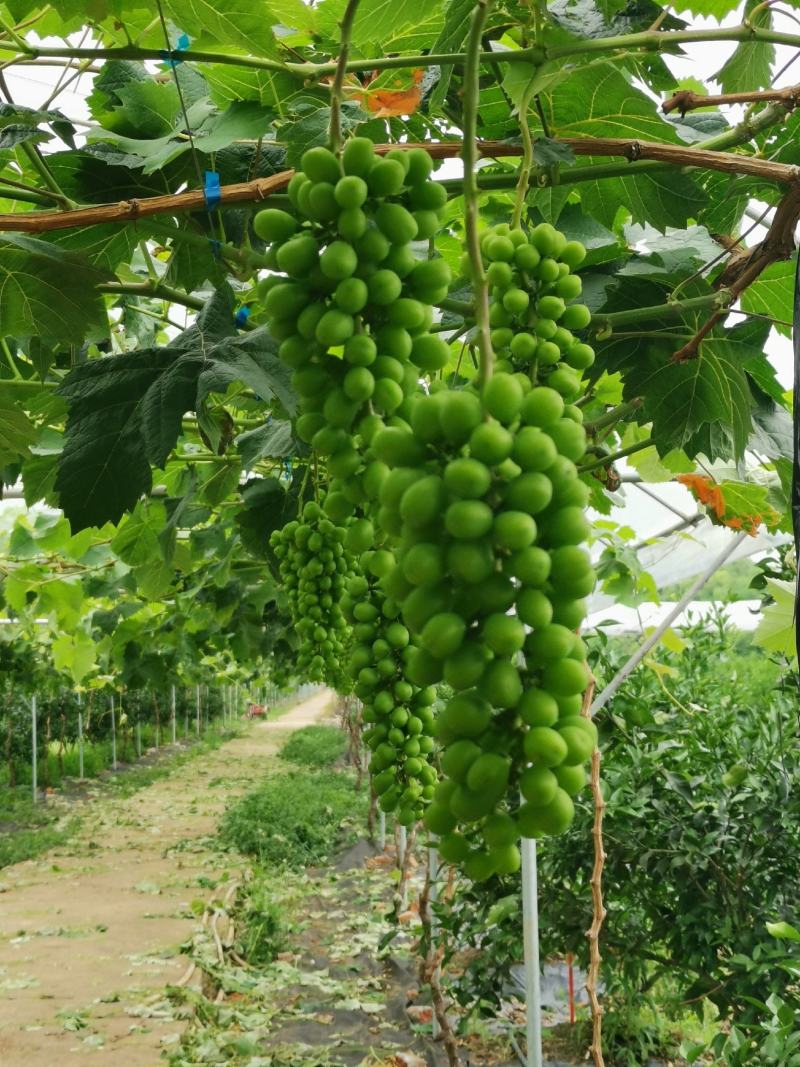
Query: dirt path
{"type": "Point", "coordinates": [87, 931]}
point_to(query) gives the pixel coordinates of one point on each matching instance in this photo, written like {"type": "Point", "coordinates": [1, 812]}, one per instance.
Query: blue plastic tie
{"type": "Point", "coordinates": [287, 467]}
{"type": "Point", "coordinates": [216, 247]}
{"type": "Point", "coordinates": [241, 316]}
{"type": "Point", "coordinates": [211, 190]}
{"type": "Point", "coordinates": [172, 57]}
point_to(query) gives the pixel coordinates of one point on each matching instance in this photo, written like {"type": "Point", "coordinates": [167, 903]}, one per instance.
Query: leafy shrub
{"type": "Point", "coordinates": [315, 746]}
{"type": "Point", "coordinates": [702, 828]}
{"type": "Point", "coordinates": [294, 819]}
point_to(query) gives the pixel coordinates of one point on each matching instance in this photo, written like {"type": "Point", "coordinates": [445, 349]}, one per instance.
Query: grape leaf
{"type": "Point", "coordinates": [273, 439]}
{"type": "Point", "coordinates": [125, 411]}
{"type": "Point", "coordinates": [682, 398]}
{"type": "Point", "coordinates": [17, 432]}
{"type": "Point", "coordinates": [750, 66]}
{"type": "Point", "coordinates": [47, 292]}
{"type": "Point", "coordinates": [776, 631]}
{"type": "Point", "coordinates": [772, 294]}
{"type": "Point", "coordinates": [243, 23]}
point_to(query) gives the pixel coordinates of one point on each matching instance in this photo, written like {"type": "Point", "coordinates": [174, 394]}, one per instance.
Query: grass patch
{"type": "Point", "coordinates": [28, 829]}
{"type": "Point", "coordinates": [315, 746]}
{"type": "Point", "coordinates": [294, 819]}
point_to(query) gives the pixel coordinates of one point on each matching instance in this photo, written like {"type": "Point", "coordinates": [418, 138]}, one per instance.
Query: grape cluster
{"type": "Point", "coordinates": [481, 500]}
{"type": "Point", "coordinates": [351, 302]}
{"type": "Point", "coordinates": [314, 570]}
{"type": "Point", "coordinates": [398, 714]}
{"type": "Point", "coordinates": [531, 313]}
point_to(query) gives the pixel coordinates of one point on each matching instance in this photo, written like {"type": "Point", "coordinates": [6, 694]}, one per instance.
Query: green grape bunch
{"type": "Point", "coordinates": [398, 714]}
{"type": "Point", "coordinates": [314, 570]}
{"type": "Point", "coordinates": [484, 509]}
{"type": "Point", "coordinates": [350, 300]}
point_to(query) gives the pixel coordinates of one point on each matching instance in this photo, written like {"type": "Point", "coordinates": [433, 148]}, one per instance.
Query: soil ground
{"type": "Point", "coordinates": [90, 930]}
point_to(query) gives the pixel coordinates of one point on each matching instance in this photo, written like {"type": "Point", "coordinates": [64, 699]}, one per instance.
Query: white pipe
{"type": "Point", "coordinates": [197, 712]}
{"type": "Point", "coordinates": [174, 727]}
{"type": "Point", "coordinates": [602, 699]}
{"type": "Point", "coordinates": [433, 893]}
{"type": "Point", "coordinates": [530, 940]}
{"type": "Point", "coordinates": [80, 746]}
{"type": "Point", "coordinates": [113, 735]}
{"type": "Point", "coordinates": [33, 746]}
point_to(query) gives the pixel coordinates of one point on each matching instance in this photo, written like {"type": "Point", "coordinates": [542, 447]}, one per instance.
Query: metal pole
{"type": "Point", "coordinates": [402, 845]}
{"type": "Point", "coordinates": [138, 739]}
{"type": "Point", "coordinates": [80, 739]}
{"type": "Point", "coordinates": [197, 711]}
{"type": "Point", "coordinates": [433, 893]}
{"type": "Point", "coordinates": [113, 735]}
{"type": "Point", "coordinates": [33, 746]}
{"type": "Point", "coordinates": [80, 746]}
{"type": "Point", "coordinates": [602, 699]}
{"type": "Point", "coordinates": [530, 940]}
{"type": "Point", "coordinates": [382, 831]}
{"type": "Point", "coordinates": [174, 732]}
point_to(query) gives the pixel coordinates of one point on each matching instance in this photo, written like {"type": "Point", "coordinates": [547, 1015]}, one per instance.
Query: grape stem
{"type": "Point", "coordinates": [526, 166]}
{"type": "Point", "coordinates": [614, 415]}
{"type": "Point", "coordinates": [337, 87]}
{"type": "Point", "coordinates": [469, 154]}
{"type": "Point", "coordinates": [606, 461]}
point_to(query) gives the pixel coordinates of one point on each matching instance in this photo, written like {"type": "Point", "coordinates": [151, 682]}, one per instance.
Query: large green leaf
{"type": "Point", "coordinates": [17, 432]}
{"type": "Point", "coordinates": [385, 26]}
{"type": "Point", "coordinates": [47, 292]}
{"type": "Point", "coordinates": [244, 23]}
{"type": "Point", "coordinates": [601, 102]}
{"type": "Point", "coordinates": [750, 66]}
{"type": "Point", "coordinates": [772, 294]}
{"type": "Point", "coordinates": [708, 391]}
{"type": "Point", "coordinates": [266, 442]}
{"type": "Point", "coordinates": [776, 631]}
{"type": "Point", "coordinates": [125, 411]}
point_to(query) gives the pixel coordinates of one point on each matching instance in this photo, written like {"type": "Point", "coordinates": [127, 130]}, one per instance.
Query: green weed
{"type": "Point", "coordinates": [315, 746]}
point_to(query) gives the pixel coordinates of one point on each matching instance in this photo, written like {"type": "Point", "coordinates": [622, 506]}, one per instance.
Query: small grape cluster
{"type": "Point", "coordinates": [351, 304]}
{"type": "Point", "coordinates": [532, 319]}
{"type": "Point", "coordinates": [314, 569]}
{"type": "Point", "coordinates": [398, 714]}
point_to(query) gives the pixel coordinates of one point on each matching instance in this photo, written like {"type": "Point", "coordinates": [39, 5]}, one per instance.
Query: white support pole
{"type": "Point", "coordinates": [33, 747]}
{"type": "Point", "coordinates": [402, 846]}
{"type": "Point", "coordinates": [236, 701]}
{"type": "Point", "coordinates": [174, 725]}
{"type": "Point", "coordinates": [80, 739]}
{"type": "Point", "coordinates": [382, 831]}
{"type": "Point", "coordinates": [433, 893]}
{"type": "Point", "coordinates": [530, 940]}
{"type": "Point", "coordinates": [113, 735]}
{"type": "Point", "coordinates": [197, 710]}
{"type": "Point", "coordinates": [80, 746]}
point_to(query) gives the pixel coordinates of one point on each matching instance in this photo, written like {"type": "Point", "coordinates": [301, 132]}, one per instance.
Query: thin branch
{"type": "Point", "coordinates": [469, 153]}
{"type": "Point", "coordinates": [614, 415]}
{"type": "Point", "coordinates": [686, 100]}
{"type": "Point", "coordinates": [337, 88]}
{"type": "Point", "coordinates": [649, 153]}
{"type": "Point", "coordinates": [606, 461]}
{"type": "Point", "coordinates": [648, 40]}
{"type": "Point", "coordinates": [154, 289]}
